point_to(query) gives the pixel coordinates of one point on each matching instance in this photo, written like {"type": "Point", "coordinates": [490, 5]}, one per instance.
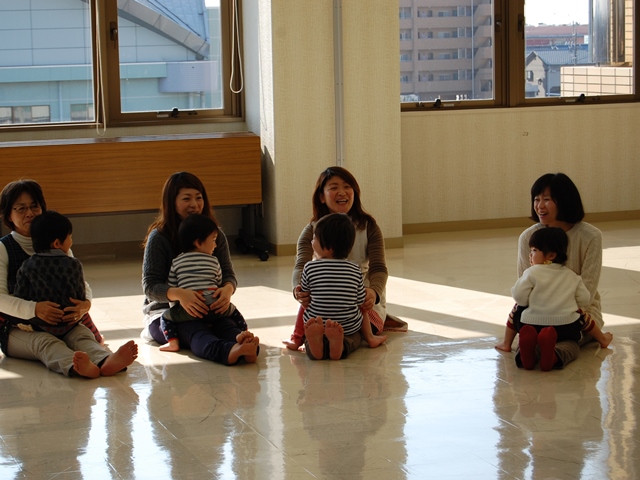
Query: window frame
{"type": "Point", "coordinates": [509, 68]}
{"type": "Point", "coordinates": [233, 102]}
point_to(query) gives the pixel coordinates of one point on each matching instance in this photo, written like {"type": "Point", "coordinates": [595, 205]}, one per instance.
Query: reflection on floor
{"type": "Point", "coordinates": [436, 402]}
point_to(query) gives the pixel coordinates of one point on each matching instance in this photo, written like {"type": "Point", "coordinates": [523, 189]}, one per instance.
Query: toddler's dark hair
{"type": "Point", "coordinates": [48, 227]}
{"type": "Point", "coordinates": [195, 227]}
{"type": "Point", "coordinates": [551, 239]}
{"type": "Point", "coordinates": [336, 232]}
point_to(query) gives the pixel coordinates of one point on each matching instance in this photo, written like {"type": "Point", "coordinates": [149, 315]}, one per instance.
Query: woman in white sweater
{"type": "Point", "coordinates": [556, 202]}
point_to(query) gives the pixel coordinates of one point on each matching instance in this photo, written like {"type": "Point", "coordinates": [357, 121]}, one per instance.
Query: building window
{"type": "Point", "coordinates": [405, 12]}
{"type": "Point", "coordinates": [25, 114]}
{"type": "Point", "coordinates": [589, 48]}
{"type": "Point", "coordinates": [156, 60]}
{"type": "Point", "coordinates": [405, 34]}
{"type": "Point", "coordinates": [406, 57]}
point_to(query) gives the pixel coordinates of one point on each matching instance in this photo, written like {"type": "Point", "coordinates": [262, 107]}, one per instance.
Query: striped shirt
{"type": "Point", "coordinates": [195, 271]}
{"type": "Point", "coordinates": [337, 291]}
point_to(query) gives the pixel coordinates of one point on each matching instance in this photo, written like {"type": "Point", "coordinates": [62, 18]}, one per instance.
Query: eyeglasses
{"type": "Point", "coordinates": [22, 209]}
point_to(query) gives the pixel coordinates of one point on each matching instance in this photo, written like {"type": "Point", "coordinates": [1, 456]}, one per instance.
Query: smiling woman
{"type": "Point", "coordinates": [556, 202]}
{"type": "Point", "coordinates": [76, 351]}
{"type": "Point", "coordinates": [337, 191]}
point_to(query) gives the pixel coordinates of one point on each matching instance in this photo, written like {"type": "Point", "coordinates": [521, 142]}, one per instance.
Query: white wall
{"type": "Point", "coordinates": [298, 114]}
{"type": "Point", "coordinates": [476, 165]}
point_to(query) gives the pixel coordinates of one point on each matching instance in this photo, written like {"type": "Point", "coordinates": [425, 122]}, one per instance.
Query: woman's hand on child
{"type": "Point", "coordinates": [75, 313]}
{"type": "Point", "coordinates": [190, 300]}
{"type": "Point", "coordinates": [303, 297]}
{"type": "Point", "coordinates": [370, 299]}
{"type": "Point", "coordinates": [49, 312]}
{"type": "Point", "coordinates": [223, 295]}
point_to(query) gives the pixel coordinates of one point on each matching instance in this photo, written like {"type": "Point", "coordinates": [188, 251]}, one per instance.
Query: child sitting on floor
{"type": "Point", "coordinates": [551, 296]}
{"type": "Point", "coordinates": [337, 291]}
{"type": "Point", "coordinates": [198, 269]}
{"type": "Point", "coordinates": [51, 274]}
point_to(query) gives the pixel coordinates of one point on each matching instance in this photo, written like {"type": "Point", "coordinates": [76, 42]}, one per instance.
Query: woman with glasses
{"type": "Point", "coordinates": [20, 202]}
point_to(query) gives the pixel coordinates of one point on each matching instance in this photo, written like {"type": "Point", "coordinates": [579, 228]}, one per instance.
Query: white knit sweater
{"type": "Point", "coordinates": [584, 258]}
{"type": "Point", "coordinates": [552, 294]}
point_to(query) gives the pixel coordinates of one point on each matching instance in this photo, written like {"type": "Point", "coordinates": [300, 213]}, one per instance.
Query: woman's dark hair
{"type": "Point", "coordinates": [359, 216]}
{"type": "Point", "coordinates": [48, 227]}
{"type": "Point", "coordinates": [563, 192]}
{"type": "Point", "coordinates": [10, 194]}
{"type": "Point", "coordinates": [195, 227]}
{"type": "Point", "coordinates": [551, 240]}
{"type": "Point", "coordinates": [168, 221]}
{"type": "Point", "coordinates": [336, 232]}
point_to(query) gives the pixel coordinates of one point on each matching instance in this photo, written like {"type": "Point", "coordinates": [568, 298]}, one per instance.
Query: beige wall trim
{"type": "Point", "coordinates": [612, 216]}
{"type": "Point", "coordinates": [284, 250]}
{"type": "Point", "coordinates": [96, 251]}
{"type": "Point", "coordinates": [415, 228]}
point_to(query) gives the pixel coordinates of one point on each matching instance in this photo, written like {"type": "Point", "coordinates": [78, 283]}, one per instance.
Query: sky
{"type": "Point", "coordinates": [556, 12]}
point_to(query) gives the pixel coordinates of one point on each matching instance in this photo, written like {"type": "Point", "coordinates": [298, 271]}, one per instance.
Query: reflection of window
{"type": "Point", "coordinates": [82, 112]}
{"type": "Point", "coordinates": [25, 114]}
{"type": "Point", "coordinates": [405, 34]}
{"type": "Point", "coordinates": [486, 85]}
{"type": "Point", "coordinates": [5, 115]}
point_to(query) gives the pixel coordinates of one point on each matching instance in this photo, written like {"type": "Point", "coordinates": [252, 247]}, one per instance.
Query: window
{"type": "Point", "coordinates": [405, 34]}
{"type": "Point", "coordinates": [185, 64]}
{"type": "Point", "coordinates": [405, 12]}
{"type": "Point", "coordinates": [529, 52]}
{"type": "Point", "coordinates": [406, 57]}
{"type": "Point", "coordinates": [49, 54]}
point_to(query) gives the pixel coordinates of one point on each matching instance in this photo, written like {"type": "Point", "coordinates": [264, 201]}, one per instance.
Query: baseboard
{"type": "Point", "coordinates": [98, 251]}
{"type": "Point", "coordinates": [290, 249]}
{"type": "Point", "coordinates": [612, 216]}
{"type": "Point", "coordinates": [134, 248]}
{"type": "Point", "coordinates": [464, 225]}
{"type": "Point", "coordinates": [459, 226]}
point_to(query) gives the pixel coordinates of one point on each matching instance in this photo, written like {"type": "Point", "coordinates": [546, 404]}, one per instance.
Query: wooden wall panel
{"type": "Point", "coordinates": [88, 176]}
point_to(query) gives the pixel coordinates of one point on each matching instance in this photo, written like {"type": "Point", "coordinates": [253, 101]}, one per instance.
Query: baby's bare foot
{"type": "Point", "coordinates": [122, 358]}
{"type": "Point", "coordinates": [335, 335]}
{"type": "Point", "coordinates": [248, 350]}
{"type": "Point", "coordinates": [291, 345]}
{"type": "Point", "coordinates": [83, 366]}
{"type": "Point", "coordinates": [172, 345]}
{"type": "Point", "coordinates": [608, 337]}
{"type": "Point", "coordinates": [251, 358]}
{"type": "Point", "coordinates": [314, 331]}
{"type": "Point", "coordinates": [376, 340]}
{"type": "Point", "coordinates": [503, 347]}
{"type": "Point", "coordinates": [245, 336]}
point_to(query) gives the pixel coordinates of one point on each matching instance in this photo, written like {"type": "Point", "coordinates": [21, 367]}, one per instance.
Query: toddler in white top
{"type": "Point", "coordinates": [552, 296]}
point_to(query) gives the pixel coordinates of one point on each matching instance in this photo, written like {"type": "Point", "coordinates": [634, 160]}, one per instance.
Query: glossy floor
{"type": "Point", "coordinates": [436, 402]}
